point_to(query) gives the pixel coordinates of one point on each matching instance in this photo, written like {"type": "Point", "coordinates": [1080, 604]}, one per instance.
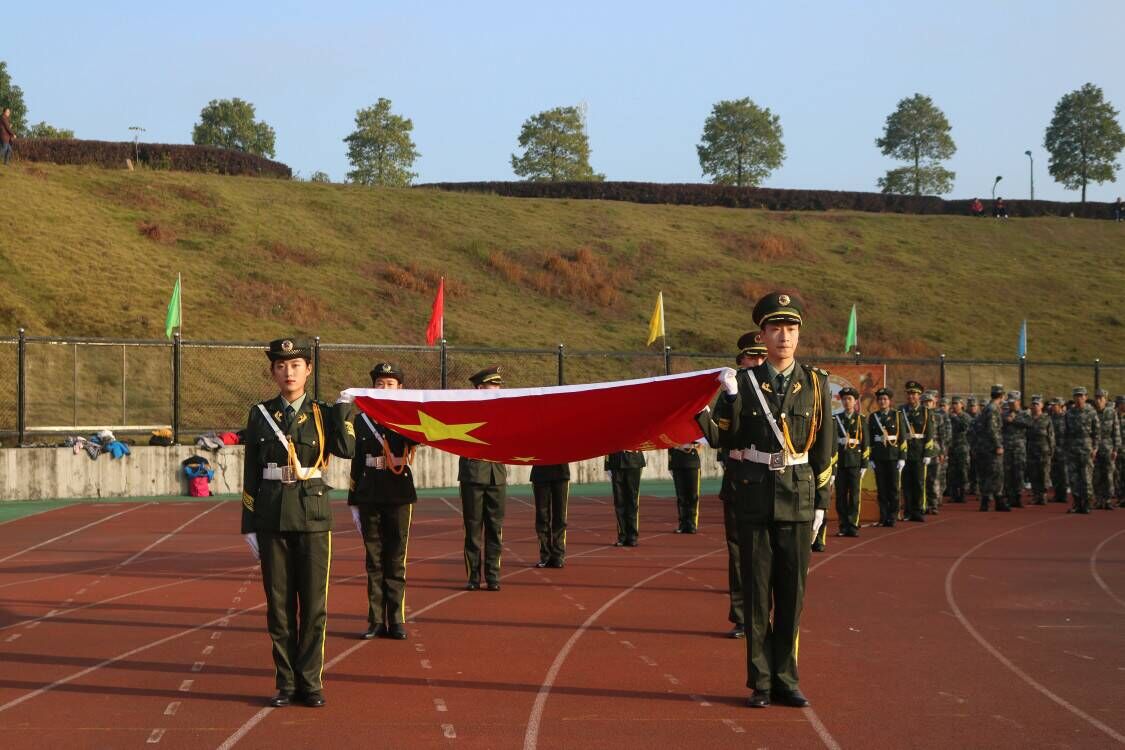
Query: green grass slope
{"type": "Point", "coordinates": [87, 251]}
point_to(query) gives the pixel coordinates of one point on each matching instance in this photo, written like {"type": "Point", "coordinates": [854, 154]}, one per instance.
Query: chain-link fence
{"type": "Point", "coordinates": [78, 384]}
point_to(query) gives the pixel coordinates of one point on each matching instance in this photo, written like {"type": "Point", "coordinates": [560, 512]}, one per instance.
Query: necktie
{"type": "Point", "coordinates": [290, 412]}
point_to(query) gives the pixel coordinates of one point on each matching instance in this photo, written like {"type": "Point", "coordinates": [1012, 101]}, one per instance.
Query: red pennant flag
{"type": "Point", "coordinates": [436, 330]}
{"type": "Point", "coordinates": [548, 425]}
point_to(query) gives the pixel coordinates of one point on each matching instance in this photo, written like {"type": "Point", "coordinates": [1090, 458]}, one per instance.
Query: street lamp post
{"type": "Point", "coordinates": [1031, 172]}
{"type": "Point", "coordinates": [994, 184]}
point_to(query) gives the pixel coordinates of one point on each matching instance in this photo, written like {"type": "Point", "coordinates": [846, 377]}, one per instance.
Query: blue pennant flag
{"type": "Point", "coordinates": [1021, 348]}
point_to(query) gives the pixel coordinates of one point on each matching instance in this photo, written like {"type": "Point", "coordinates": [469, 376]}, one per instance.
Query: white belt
{"type": "Point", "coordinates": [915, 435]}
{"type": "Point", "coordinates": [380, 462]}
{"type": "Point", "coordinates": [848, 442]}
{"type": "Point", "coordinates": [287, 474]}
{"type": "Point", "coordinates": [892, 439]}
{"type": "Point", "coordinates": [776, 461]}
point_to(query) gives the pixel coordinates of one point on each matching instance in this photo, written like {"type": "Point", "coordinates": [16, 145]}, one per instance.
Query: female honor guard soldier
{"type": "Point", "coordinates": [888, 453]}
{"type": "Point", "coordinates": [550, 485]}
{"type": "Point", "coordinates": [484, 495]}
{"type": "Point", "coordinates": [382, 500]}
{"type": "Point", "coordinates": [776, 422]}
{"type": "Point", "coordinates": [286, 517]}
{"type": "Point", "coordinates": [852, 451]}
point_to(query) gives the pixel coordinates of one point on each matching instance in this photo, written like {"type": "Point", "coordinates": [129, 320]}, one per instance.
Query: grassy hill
{"type": "Point", "coordinates": [86, 251]}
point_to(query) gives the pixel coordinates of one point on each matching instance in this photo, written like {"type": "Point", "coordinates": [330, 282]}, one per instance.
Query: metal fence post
{"type": "Point", "coordinates": [316, 368]}
{"type": "Point", "coordinates": [177, 383]}
{"type": "Point", "coordinates": [941, 378]}
{"type": "Point", "coordinates": [857, 356]}
{"type": "Point", "coordinates": [21, 388]}
{"type": "Point", "coordinates": [1097, 374]}
{"type": "Point", "coordinates": [443, 365]}
{"type": "Point", "coordinates": [667, 360]}
{"type": "Point", "coordinates": [1023, 378]}
{"type": "Point", "coordinates": [562, 379]}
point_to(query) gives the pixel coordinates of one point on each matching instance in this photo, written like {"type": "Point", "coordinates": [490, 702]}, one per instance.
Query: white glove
{"type": "Point", "coordinates": [252, 542]}
{"type": "Point", "coordinates": [926, 461]}
{"type": "Point", "coordinates": [870, 465]}
{"type": "Point", "coordinates": [729, 380]}
{"type": "Point", "coordinates": [818, 521]}
{"type": "Point", "coordinates": [832, 480]}
{"type": "Point", "coordinates": [355, 519]}
{"type": "Point", "coordinates": [345, 398]}
{"type": "Point", "coordinates": [899, 464]}
{"type": "Point", "coordinates": [861, 473]}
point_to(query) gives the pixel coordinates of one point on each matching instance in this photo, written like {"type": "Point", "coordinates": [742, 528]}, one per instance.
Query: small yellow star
{"type": "Point", "coordinates": [435, 429]}
{"type": "Point", "coordinates": [523, 459]}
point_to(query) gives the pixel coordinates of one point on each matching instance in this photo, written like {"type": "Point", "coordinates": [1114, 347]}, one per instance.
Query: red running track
{"type": "Point", "coordinates": [132, 625]}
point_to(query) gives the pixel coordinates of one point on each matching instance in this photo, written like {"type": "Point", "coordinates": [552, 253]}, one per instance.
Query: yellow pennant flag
{"type": "Point", "coordinates": [656, 325]}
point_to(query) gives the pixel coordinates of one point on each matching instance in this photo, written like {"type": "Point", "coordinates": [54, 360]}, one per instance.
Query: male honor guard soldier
{"type": "Point", "coordinates": [1119, 402]}
{"type": "Point", "coordinates": [989, 456]}
{"type": "Point", "coordinates": [1082, 431]}
{"type": "Point", "coordinates": [382, 500]}
{"type": "Point", "coordinates": [959, 423]}
{"type": "Point", "coordinates": [484, 496]}
{"type": "Point", "coordinates": [852, 453]}
{"type": "Point", "coordinates": [887, 429]}
{"type": "Point", "coordinates": [1059, 480]}
{"type": "Point", "coordinates": [683, 462]}
{"type": "Point", "coordinates": [1014, 431]}
{"type": "Point", "coordinates": [1109, 444]}
{"type": "Point", "coordinates": [550, 485]}
{"type": "Point", "coordinates": [920, 449]}
{"type": "Point", "coordinates": [286, 518]}
{"type": "Point", "coordinates": [624, 469]}
{"type": "Point", "coordinates": [1040, 449]}
{"type": "Point", "coordinates": [776, 422]}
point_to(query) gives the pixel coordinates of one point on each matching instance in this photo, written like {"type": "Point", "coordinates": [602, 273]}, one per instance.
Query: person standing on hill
{"type": "Point", "coordinates": [7, 135]}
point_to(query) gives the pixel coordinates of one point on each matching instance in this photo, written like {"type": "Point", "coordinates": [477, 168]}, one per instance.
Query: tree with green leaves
{"type": "Point", "coordinates": [917, 132]}
{"type": "Point", "coordinates": [46, 130]}
{"type": "Point", "coordinates": [741, 143]}
{"type": "Point", "coordinates": [1084, 139]}
{"type": "Point", "coordinates": [319, 176]}
{"type": "Point", "coordinates": [555, 148]}
{"type": "Point", "coordinates": [380, 148]}
{"type": "Point", "coordinates": [230, 123]}
{"type": "Point", "coordinates": [11, 96]}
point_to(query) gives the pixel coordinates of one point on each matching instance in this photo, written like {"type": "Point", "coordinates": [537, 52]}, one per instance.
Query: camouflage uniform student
{"type": "Point", "coordinates": [1059, 481]}
{"type": "Point", "coordinates": [1119, 402]}
{"type": "Point", "coordinates": [973, 409]}
{"type": "Point", "coordinates": [989, 453]}
{"type": "Point", "coordinates": [1016, 423]}
{"type": "Point", "coordinates": [935, 472]}
{"type": "Point", "coordinates": [1109, 445]}
{"type": "Point", "coordinates": [1040, 449]}
{"type": "Point", "coordinates": [1082, 431]}
{"type": "Point", "coordinates": [959, 450]}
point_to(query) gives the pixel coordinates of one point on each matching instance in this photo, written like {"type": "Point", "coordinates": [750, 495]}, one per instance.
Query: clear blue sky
{"type": "Point", "coordinates": [469, 73]}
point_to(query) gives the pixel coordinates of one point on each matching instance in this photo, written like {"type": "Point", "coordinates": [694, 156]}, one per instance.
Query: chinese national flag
{"type": "Point", "coordinates": [548, 425]}
{"type": "Point", "coordinates": [436, 330]}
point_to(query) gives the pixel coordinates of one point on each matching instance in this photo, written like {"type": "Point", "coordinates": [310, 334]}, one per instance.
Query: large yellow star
{"type": "Point", "coordinates": [435, 429]}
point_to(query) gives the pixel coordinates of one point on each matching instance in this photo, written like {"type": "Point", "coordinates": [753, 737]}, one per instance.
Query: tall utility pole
{"type": "Point", "coordinates": [1031, 172]}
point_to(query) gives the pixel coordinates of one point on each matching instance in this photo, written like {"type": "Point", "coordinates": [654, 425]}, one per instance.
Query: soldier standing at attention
{"type": "Point", "coordinates": [920, 448]}
{"type": "Point", "coordinates": [381, 499]}
{"type": "Point", "coordinates": [1082, 433]}
{"type": "Point", "coordinates": [776, 422]}
{"type": "Point", "coordinates": [1119, 402]}
{"type": "Point", "coordinates": [935, 472]}
{"type": "Point", "coordinates": [1109, 443]}
{"type": "Point", "coordinates": [624, 469]}
{"type": "Point", "coordinates": [1058, 458]}
{"type": "Point", "coordinates": [287, 520]}
{"type": "Point", "coordinates": [990, 452]}
{"type": "Point", "coordinates": [1015, 427]}
{"type": "Point", "coordinates": [1040, 449]}
{"type": "Point", "coordinates": [959, 423]}
{"type": "Point", "coordinates": [888, 453]}
{"type": "Point", "coordinates": [484, 496]}
{"type": "Point", "coordinates": [550, 484]}
{"type": "Point", "coordinates": [972, 408]}
{"type": "Point", "coordinates": [683, 462]}
{"type": "Point", "coordinates": [852, 453]}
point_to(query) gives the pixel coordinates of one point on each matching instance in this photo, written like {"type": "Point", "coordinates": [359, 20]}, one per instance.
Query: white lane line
{"type": "Point", "coordinates": [172, 708]}
{"type": "Point", "coordinates": [448, 732]}
{"type": "Point", "coordinates": [700, 701]}
{"type": "Point", "coordinates": [734, 726]}
{"type": "Point", "coordinates": [197, 666]}
{"type": "Point", "coordinates": [452, 507]}
{"type": "Point", "coordinates": [155, 737]}
{"type": "Point", "coordinates": [172, 533]}
{"type": "Point", "coordinates": [1028, 679]}
{"type": "Point", "coordinates": [439, 705]}
{"type": "Point", "coordinates": [75, 531]}
{"type": "Point", "coordinates": [648, 660]}
{"type": "Point", "coordinates": [1094, 566]}
{"type": "Point", "coordinates": [185, 687]}
{"type": "Point", "coordinates": [426, 664]}
{"type": "Point", "coordinates": [12, 637]}
{"type": "Point", "coordinates": [207, 650]}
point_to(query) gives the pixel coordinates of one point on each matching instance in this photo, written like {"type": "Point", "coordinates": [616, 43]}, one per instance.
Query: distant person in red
{"type": "Point", "coordinates": [999, 209]}
{"type": "Point", "coordinates": [976, 208]}
{"type": "Point", "coordinates": [6, 135]}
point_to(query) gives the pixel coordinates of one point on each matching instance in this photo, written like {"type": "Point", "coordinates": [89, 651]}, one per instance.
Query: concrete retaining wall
{"type": "Point", "coordinates": [46, 473]}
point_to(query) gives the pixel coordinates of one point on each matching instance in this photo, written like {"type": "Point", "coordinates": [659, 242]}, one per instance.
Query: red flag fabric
{"type": "Point", "coordinates": [548, 425]}
{"type": "Point", "coordinates": [436, 330]}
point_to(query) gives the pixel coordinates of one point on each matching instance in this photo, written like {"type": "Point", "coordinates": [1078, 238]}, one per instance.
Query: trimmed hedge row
{"type": "Point", "coordinates": [774, 199]}
{"type": "Point", "coordinates": [180, 157]}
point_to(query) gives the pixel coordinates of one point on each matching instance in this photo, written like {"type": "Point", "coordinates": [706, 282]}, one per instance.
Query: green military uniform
{"type": "Point", "coordinates": [1059, 480]}
{"type": "Point", "coordinates": [1082, 431]}
{"type": "Point", "coordinates": [959, 452]}
{"type": "Point", "coordinates": [624, 469]}
{"type": "Point", "coordinates": [1040, 450]}
{"type": "Point", "coordinates": [1014, 431]}
{"type": "Point", "coordinates": [383, 496]}
{"type": "Point", "coordinates": [285, 503]}
{"type": "Point", "coordinates": [1119, 402]}
{"type": "Point", "coordinates": [777, 484]}
{"type": "Point", "coordinates": [974, 473]}
{"type": "Point", "coordinates": [550, 484]}
{"type": "Point", "coordinates": [685, 467]}
{"type": "Point", "coordinates": [989, 462]}
{"type": "Point", "coordinates": [920, 449]}
{"type": "Point", "coordinates": [484, 498]}
{"type": "Point", "coordinates": [887, 429]}
{"type": "Point", "coordinates": [1109, 444]}
{"type": "Point", "coordinates": [853, 450]}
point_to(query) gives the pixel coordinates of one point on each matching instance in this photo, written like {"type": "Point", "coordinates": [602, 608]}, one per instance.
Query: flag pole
{"type": "Point", "coordinates": [180, 304]}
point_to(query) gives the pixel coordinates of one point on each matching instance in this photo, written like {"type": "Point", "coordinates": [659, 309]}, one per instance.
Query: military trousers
{"type": "Point", "coordinates": [958, 475]}
{"type": "Point", "coordinates": [934, 475]}
{"type": "Point", "coordinates": [914, 488]}
{"type": "Point", "coordinates": [990, 475]}
{"type": "Point", "coordinates": [482, 507]}
{"type": "Point", "coordinates": [1120, 474]}
{"type": "Point", "coordinates": [627, 503]}
{"type": "Point", "coordinates": [847, 499]}
{"type": "Point", "coordinates": [686, 482]}
{"type": "Point", "coordinates": [775, 563]}
{"type": "Point", "coordinates": [1015, 469]}
{"type": "Point", "coordinates": [1080, 469]}
{"type": "Point", "coordinates": [886, 481]}
{"type": "Point", "coordinates": [295, 567]}
{"type": "Point", "coordinates": [1038, 472]}
{"type": "Point", "coordinates": [1103, 477]}
{"type": "Point", "coordinates": [734, 556]}
{"type": "Point", "coordinates": [386, 539]}
{"type": "Point", "coordinates": [550, 518]}
{"type": "Point", "coordinates": [1059, 480]}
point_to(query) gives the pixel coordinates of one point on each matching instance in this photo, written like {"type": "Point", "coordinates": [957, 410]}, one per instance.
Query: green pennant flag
{"type": "Point", "coordinates": [174, 319]}
{"type": "Point", "coordinates": [852, 338]}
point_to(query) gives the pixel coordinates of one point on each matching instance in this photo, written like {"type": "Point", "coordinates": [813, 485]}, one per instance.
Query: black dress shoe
{"type": "Point", "coordinates": [631, 543]}
{"type": "Point", "coordinates": [619, 543]}
{"type": "Point", "coordinates": [282, 699]}
{"type": "Point", "coordinates": [397, 631]}
{"type": "Point", "coordinates": [375, 631]}
{"type": "Point", "coordinates": [759, 699]}
{"type": "Point", "coordinates": [817, 547]}
{"type": "Point", "coordinates": [541, 564]}
{"type": "Point", "coordinates": [314, 699]}
{"type": "Point", "coordinates": [556, 564]}
{"type": "Point", "coordinates": [681, 530]}
{"type": "Point", "coordinates": [738, 631]}
{"type": "Point", "coordinates": [792, 698]}
{"type": "Point", "coordinates": [472, 585]}
{"type": "Point", "coordinates": [493, 585]}
{"type": "Point", "coordinates": [691, 530]}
